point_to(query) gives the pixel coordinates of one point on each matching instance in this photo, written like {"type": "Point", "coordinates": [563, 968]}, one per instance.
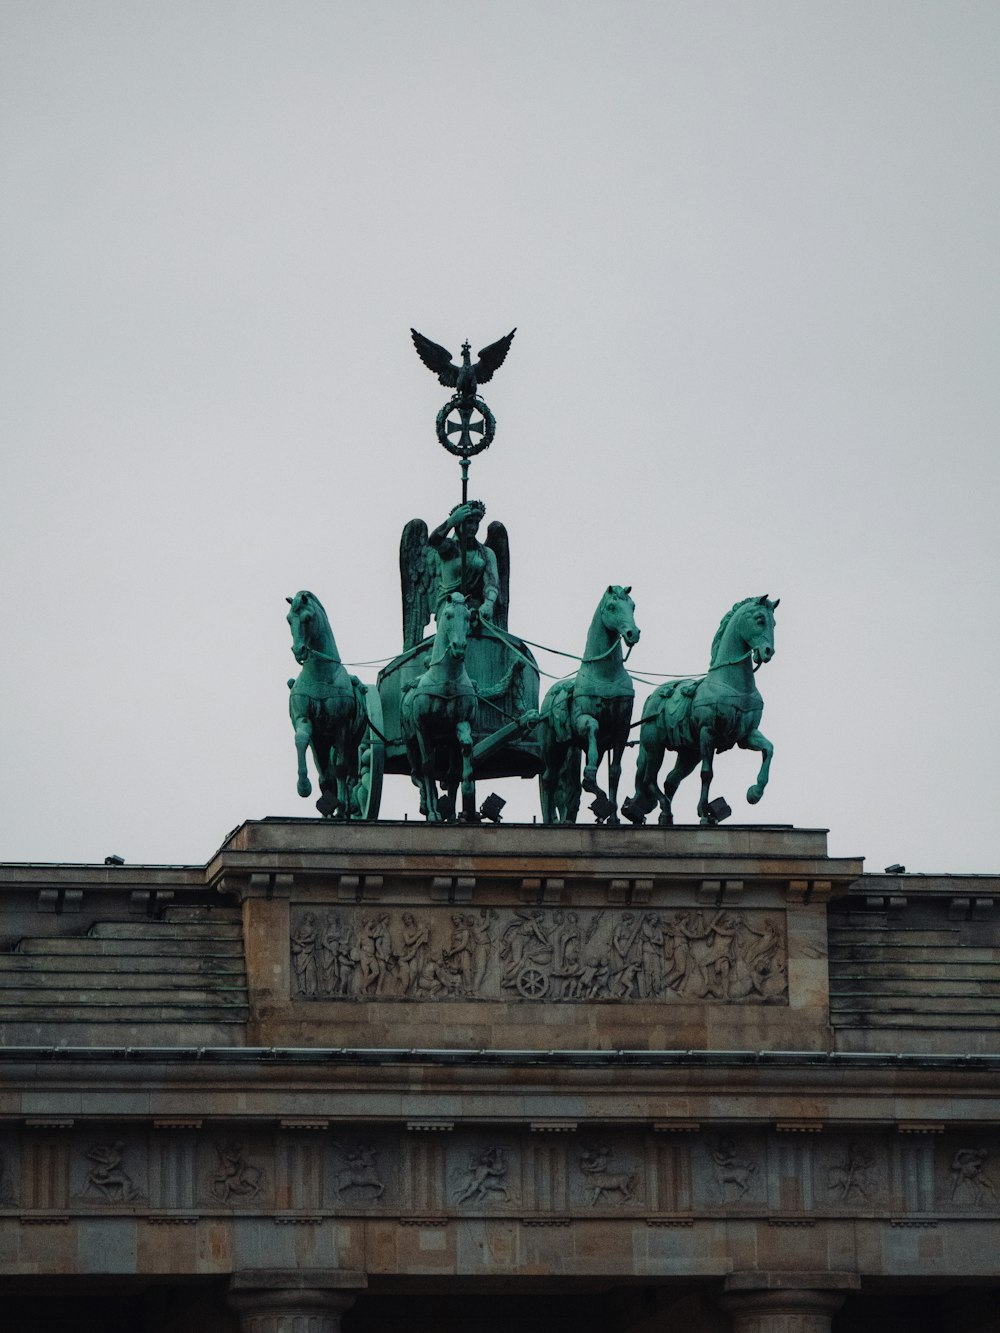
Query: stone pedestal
{"type": "Point", "coordinates": [272, 1303]}
{"type": "Point", "coordinates": [768, 1303]}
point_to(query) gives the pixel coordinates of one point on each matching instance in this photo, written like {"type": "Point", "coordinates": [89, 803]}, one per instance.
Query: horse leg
{"type": "Point", "coordinates": [647, 794]}
{"type": "Point", "coordinates": [614, 775]}
{"type": "Point", "coordinates": [554, 756]}
{"type": "Point", "coordinates": [707, 755]}
{"type": "Point", "coordinates": [416, 776]}
{"type": "Point", "coordinates": [303, 738]}
{"type": "Point", "coordinates": [683, 765]}
{"type": "Point", "coordinates": [588, 727]}
{"type": "Point", "coordinates": [430, 796]}
{"type": "Point", "coordinates": [340, 761]}
{"type": "Point", "coordinates": [463, 731]}
{"type": "Point", "coordinates": [757, 741]}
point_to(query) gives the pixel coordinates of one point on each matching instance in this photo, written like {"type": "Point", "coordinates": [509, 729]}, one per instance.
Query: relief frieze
{"type": "Point", "coordinates": [538, 954]}
{"type": "Point", "coordinates": [389, 1171]}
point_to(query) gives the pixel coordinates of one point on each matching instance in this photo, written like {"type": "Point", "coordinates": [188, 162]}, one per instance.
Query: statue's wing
{"type": "Point", "coordinates": [415, 580]}
{"type": "Point", "coordinates": [438, 358]}
{"type": "Point", "coordinates": [490, 358]}
{"type": "Point", "coordinates": [496, 540]}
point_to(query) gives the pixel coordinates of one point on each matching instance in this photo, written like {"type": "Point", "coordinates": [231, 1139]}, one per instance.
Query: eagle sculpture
{"type": "Point", "coordinates": [466, 378]}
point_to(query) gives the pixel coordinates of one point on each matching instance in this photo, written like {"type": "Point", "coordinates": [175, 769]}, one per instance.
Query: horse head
{"type": "Point", "coordinates": [308, 623]}
{"type": "Point", "coordinates": [617, 613]}
{"type": "Point", "coordinates": [756, 627]}
{"type": "Point", "coordinates": [453, 619]}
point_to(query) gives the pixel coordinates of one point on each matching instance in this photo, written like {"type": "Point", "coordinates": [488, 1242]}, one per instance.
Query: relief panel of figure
{"type": "Point", "coordinates": [485, 1178]}
{"type": "Point", "coordinates": [603, 1179]}
{"type": "Point", "coordinates": [539, 955]}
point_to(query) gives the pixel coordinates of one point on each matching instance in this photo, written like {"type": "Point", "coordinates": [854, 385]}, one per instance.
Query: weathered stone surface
{"type": "Point", "coordinates": [182, 1096]}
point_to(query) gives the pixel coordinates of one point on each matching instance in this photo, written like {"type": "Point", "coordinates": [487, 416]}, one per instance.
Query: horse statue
{"type": "Point", "coordinates": [326, 705]}
{"type": "Point", "coordinates": [590, 713]}
{"type": "Point", "coordinates": [701, 717]}
{"type": "Point", "coordinates": [437, 712]}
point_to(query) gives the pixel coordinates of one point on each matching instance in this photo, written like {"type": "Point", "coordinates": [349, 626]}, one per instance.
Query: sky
{"type": "Point", "coordinates": [751, 254]}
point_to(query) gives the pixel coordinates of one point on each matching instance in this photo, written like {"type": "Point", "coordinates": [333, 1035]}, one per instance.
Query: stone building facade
{"type": "Point", "coordinates": [393, 1076]}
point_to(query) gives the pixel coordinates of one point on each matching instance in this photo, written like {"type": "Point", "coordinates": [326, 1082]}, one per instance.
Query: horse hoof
{"type": "Point", "coordinates": [305, 787]}
{"type": "Point", "coordinates": [666, 819]}
{"type": "Point", "coordinates": [754, 793]}
{"type": "Point", "coordinates": [632, 811]}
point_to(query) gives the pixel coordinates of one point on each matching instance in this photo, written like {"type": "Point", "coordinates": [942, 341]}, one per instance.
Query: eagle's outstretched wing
{"type": "Point", "coordinates": [490, 358]}
{"type": "Point", "coordinates": [438, 358]}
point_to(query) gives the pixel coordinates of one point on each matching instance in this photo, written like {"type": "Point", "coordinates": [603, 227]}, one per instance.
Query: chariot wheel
{"type": "Point", "coordinates": [367, 795]}
{"type": "Point", "coordinates": [532, 983]}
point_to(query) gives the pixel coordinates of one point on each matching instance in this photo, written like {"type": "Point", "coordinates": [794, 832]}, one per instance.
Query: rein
{"type": "Point", "coordinates": [585, 661]}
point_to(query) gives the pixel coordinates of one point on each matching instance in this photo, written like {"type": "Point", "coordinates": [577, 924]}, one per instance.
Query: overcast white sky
{"type": "Point", "coordinates": [751, 251]}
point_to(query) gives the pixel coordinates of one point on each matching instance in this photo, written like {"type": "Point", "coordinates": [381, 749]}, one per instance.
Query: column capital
{"type": "Point", "coordinates": [275, 1302]}
{"type": "Point", "coordinates": [785, 1302]}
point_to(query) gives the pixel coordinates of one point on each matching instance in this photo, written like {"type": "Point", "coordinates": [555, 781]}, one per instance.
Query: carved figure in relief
{"type": "Point", "coordinates": [459, 954]}
{"type": "Point", "coordinates": [375, 954]}
{"type": "Point", "coordinates": [602, 1183]}
{"type": "Point", "coordinates": [304, 956]}
{"type": "Point", "coordinates": [235, 1177]}
{"type": "Point", "coordinates": [436, 978]}
{"type": "Point", "coordinates": [360, 1171]}
{"type": "Point", "coordinates": [652, 942]}
{"type": "Point", "coordinates": [413, 952]}
{"type": "Point", "coordinates": [108, 1176]}
{"type": "Point", "coordinates": [731, 1170]}
{"type": "Point", "coordinates": [969, 1177]}
{"type": "Point", "coordinates": [541, 954]}
{"type": "Point", "coordinates": [482, 934]}
{"type": "Point", "coordinates": [335, 956]}
{"type": "Point", "coordinates": [852, 1175]}
{"type": "Point", "coordinates": [486, 1176]}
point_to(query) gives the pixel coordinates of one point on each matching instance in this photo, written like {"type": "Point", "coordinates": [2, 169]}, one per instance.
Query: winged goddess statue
{"type": "Point", "coordinates": [430, 568]}
{"type": "Point", "coordinates": [466, 378]}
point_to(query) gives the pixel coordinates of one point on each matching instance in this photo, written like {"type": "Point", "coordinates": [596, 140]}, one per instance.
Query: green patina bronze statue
{"type": "Point", "coordinates": [437, 713]}
{"type": "Point", "coordinates": [698, 718]}
{"type": "Point", "coordinates": [434, 565]}
{"type": "Point", "coordinates": [590, 713]}
{"type": "Point", "coordinates": [326, 705]}
{"type": "Point", "coordinates": [466, 403]}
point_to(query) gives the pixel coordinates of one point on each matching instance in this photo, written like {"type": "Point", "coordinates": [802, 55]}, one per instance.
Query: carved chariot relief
{"type": "Point", "coordinates": [533, 954]}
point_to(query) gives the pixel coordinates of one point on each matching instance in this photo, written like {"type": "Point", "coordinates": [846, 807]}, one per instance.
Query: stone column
{"type": "Point", "coordinates": [272, 1302]}
{"type": "Point", "coordinates": [773, 1303]}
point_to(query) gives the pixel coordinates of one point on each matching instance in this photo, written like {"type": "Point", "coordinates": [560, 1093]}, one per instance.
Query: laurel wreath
{"type": "Point", "coordinates": [476, 446]}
